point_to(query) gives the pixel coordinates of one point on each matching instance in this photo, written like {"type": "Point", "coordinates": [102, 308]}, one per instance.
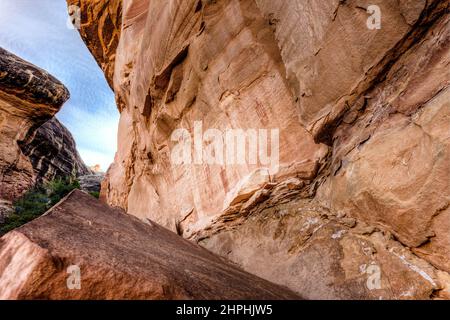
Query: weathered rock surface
{"type": "Point", "coordinates": [333, 65]}
{"type": "Point", "coordinates": [29, 97]}
{"type": "Point", "coordinates": [31, 148]}
{"type": "Point", "coordinates": [53, 153]}
{"type": "Point", "coordinates": [165, 81]}
{"type": "Point", "coordinates": [101, 26]}
{"type": "Point", "coordinates": [310, 249]}
{"type": "Point", "coordinates": [91, 182]}
{"type": "Point", "coordinates": [5, 210]}
{"type": "Point", "coordinates": [119, 257]}
{"type": "Point", "coordinates": [391, 163]}
{"type": "Point", "coordinates": [364, 135]}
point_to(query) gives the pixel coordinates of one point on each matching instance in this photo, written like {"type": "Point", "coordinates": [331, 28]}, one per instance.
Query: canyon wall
{"type": "Point", "coordinates": [53, 153]}
{"type": "Point", "coordinates": [34, 146]}
{"type": "Point", "coordinates": [358, 203]}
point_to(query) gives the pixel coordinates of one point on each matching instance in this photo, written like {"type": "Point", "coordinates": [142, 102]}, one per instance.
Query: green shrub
{"type": "Point", "coordinates": [37, 201]}
{"type": "Point", "coordinates": [95, 194]}
{"type": "Point", "coordinates": [59, 188]}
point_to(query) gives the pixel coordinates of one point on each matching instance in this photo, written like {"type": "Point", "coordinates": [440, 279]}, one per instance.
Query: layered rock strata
{"type": "Point", "coordinates": [53, 153]}
{"type": "Point", "coordinates": [34, 146]}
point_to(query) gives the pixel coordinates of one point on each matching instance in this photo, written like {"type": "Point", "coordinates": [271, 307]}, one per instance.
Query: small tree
{"type": "Point", "coordinates": [37, 201]}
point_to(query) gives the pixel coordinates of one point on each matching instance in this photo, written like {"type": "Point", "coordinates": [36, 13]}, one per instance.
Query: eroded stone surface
{"type": "Point", "coordinates": [332, 58]}
{"type": "Point", "coordinates": [167, 80]}
{"type": "Point", "coordinates": [376, 99]}
{"type": "Point", "coordinates": [100, 27]}
{"type": "Point", "coordinates": [53, 153]}
{"type": "Point", "coordinates": [391, 166]}
{"type": "Point", "coordinates": [321, 255]}
{"type": "Point", "coordinates": [29, 97]}
{"type": "Point", "coordinates": [119, 257]}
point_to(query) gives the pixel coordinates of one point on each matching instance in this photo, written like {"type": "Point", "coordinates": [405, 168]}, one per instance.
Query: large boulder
{"type": "Point", "coordinates": [83, 249]}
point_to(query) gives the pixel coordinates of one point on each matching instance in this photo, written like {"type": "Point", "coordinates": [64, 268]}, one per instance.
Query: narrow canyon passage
{"type": "Point", "coordinates": [304, 144]}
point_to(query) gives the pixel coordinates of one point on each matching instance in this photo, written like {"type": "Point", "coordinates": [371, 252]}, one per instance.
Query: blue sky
{"type": "Point", "coordinates": [36, 30]}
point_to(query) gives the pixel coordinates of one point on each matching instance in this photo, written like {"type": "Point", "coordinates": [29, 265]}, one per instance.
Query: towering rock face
{"type": "Point", "coordinates": [29, 97]}
{"type": "Point", "coordinates": [115, 256]}
{"type": "Point", "coordinates": [172, 78]}
{"type": "Point", "coordinates": [34, 147]}
{"type": "Point", "coordinates": [359, 204]}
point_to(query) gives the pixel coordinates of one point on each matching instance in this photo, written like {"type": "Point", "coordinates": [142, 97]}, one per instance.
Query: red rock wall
{"type": "Point", "coordinates": [363, 116]}
{"type": "Point", "coordinates": [29, 97]}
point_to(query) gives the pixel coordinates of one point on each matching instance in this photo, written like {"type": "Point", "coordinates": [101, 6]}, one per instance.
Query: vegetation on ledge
{"type": "Point", "coordinates": [37, 201]}
{"type": "Point", "coordinates": [95, 194]}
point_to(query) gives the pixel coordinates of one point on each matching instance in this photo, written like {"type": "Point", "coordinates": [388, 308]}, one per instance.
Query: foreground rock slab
{"type": "Point", "coordinates": [119, 257]}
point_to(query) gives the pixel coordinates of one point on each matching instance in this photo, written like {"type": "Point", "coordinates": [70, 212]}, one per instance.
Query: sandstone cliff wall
{"type": "Point", "coordinates": [53, 153]}
{"type": "Point", "coordinates": [34, 146]}
{"type": "Point", "coordinates": [363, 184]}
{"type": "Point", "coordinates": [29, 97]}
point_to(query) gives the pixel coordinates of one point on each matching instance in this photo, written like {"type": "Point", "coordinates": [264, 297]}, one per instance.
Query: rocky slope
{"type": "Point", "coordinates": [34, 146]}
{"type": "Point", "coordinates": [117, 257]}
{"type": "Point", "coordinates": [359, 207]}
